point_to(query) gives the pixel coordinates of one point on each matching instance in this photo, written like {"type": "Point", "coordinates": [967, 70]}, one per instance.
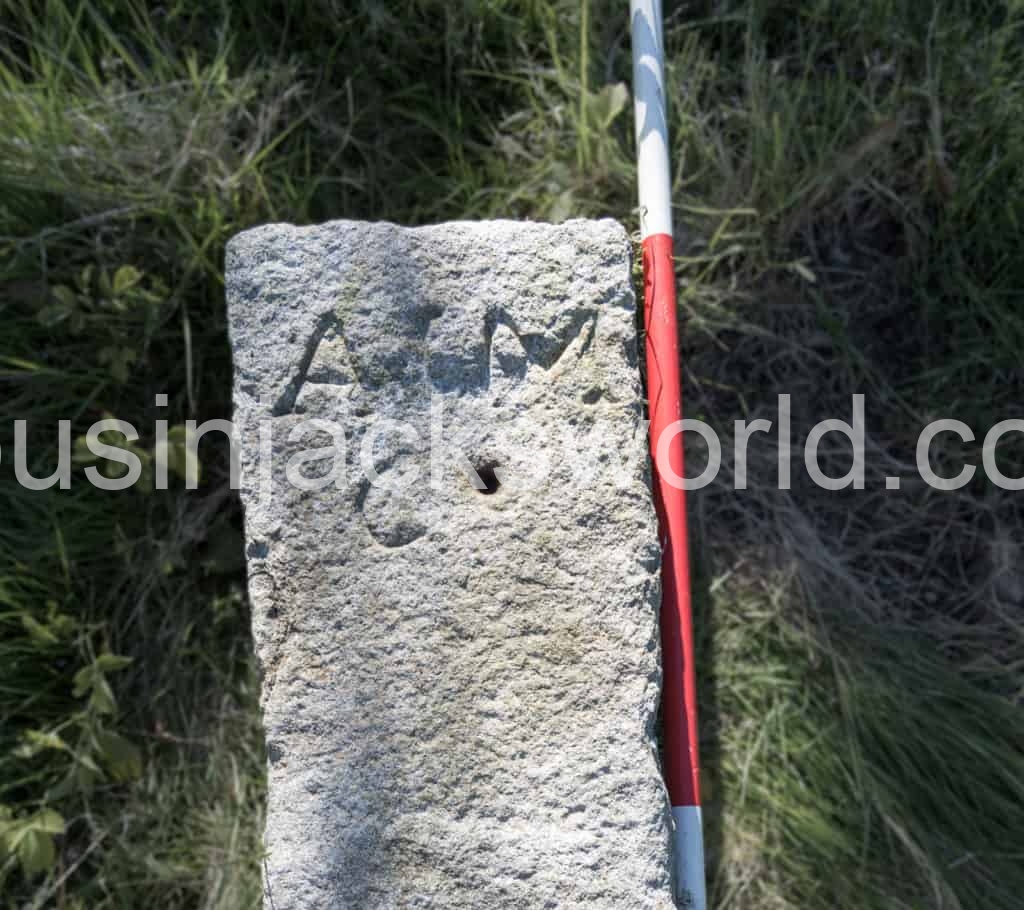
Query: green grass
{"type": "Point", "coordinates": [848, 183]}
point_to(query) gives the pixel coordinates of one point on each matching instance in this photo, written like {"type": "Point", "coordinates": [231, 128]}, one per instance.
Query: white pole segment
{"type": "Point", "coordinates": [691, 892]}
{"type": "Point", "coordinates": [651, 120]}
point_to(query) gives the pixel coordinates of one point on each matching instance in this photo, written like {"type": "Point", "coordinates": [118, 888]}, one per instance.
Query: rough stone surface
{"type": "Point", "coordinates": [459, 686]}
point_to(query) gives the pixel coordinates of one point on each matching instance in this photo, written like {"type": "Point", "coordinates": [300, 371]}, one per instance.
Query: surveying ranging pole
{"type": "Point", "coordinates": [679, 681]}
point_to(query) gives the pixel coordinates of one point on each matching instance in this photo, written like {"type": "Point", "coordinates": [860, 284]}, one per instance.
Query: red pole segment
{"type": "Point", "coordinates": [679, 679]}
{"type": "Point", "coordinates": [679, 685]}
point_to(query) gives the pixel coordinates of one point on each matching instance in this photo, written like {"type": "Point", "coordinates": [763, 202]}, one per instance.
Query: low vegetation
{"type": "Point", "coordinates": [849, 178]}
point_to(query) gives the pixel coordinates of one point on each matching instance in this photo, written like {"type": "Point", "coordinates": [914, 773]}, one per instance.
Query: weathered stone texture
{"type": "Point", "coordinates": [459, 686]}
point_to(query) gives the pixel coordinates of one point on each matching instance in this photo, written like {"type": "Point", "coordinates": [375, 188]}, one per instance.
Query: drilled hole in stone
{"type": "Point", "coordinates": [488, 477]}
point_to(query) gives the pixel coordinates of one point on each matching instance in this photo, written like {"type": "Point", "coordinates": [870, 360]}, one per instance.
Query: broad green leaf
{"type": "Point", "coordinates": [125, 278]}
{"type": "Point", "coordinates": [86, 762]}
{"type": "Point", "coordinates": [39, 633]}
{"type": "Point", "coordinates": [111, 663]}
{"type": "Point", "coordinates": [53, 315]}
{"type": "Point", "coordinates": [48, 821]}
{"type": "Point", "coordinates": [60, 624]}
{"type": "Point", "coordinates": [83, 681]}
{"type": "Point", "coordinates": [102, 699]}
{"type": "Point", "coordinates": [65, 787]}
{"type": "Point", "coordinates": [84, 777]}
{"type": "Point", "coordinates": [64, 296]}
{"type": "Point", "coordinates": [178, 433]}
{"type": "Point", "coordinates": [119, 359]}
{"type": "Point", "coordinates": [37, 741]}
{"type": "Point", "coordinates": [121, 758]}
{"type": "Point", "coordinates": [36, 853]}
